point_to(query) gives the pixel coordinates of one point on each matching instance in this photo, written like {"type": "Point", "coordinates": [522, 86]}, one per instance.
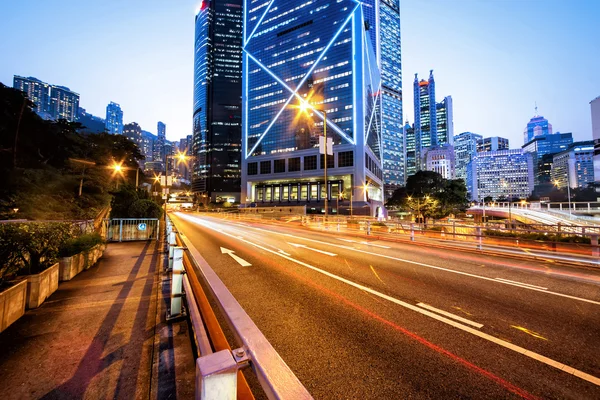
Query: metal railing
{"type": "Point", "coordinates": [129, 229]}
{"type": "Point", "coordinates": [218, 372]}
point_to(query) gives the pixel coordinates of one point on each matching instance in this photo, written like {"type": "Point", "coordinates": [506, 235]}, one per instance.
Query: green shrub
{"type": "Point", "coordinates": [80, 244]}
{"type": "Point", "coordinates": [144, 209]}
{"type": "Point", "coordinates": [539, 236]}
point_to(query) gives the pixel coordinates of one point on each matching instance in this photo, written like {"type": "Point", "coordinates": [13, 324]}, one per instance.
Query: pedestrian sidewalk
{"type": "Point", "coordinates": [102, 335]}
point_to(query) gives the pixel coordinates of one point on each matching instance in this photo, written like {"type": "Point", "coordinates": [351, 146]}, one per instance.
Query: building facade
{"type": "Point", "coordinates": [114, 119]}
{"type": "Point", "coordinates": [445, 121]}
{"type": "Point", "coordinates": [413, 149]}
{"type": "Point", "coordinates": [540, 147]}
{"type": "Point", "coordinates": [504, 174]}
{"type": "Point", "coordinates": [90, 123]}
{"type": "Point", "coordinates": [494, 143]}
{"type": "Point", "coordinates": [574, 166]}
{"type": "Point", "coordinates": [537, 126]}
{"type": "Point", "coordinates": [217, 111]}
{"type": "Point", "coordinates": [465, 148]}
{"type": "Point", "coordinates": [320, 59]}
{"type": "Point", "coordinates": [51, 101]}
{"type": "Point", "coordinates": [595, 110]}
{"type": "Point", "coordinates": [394, 162]}
{"type": "Point", "coordinates": [148, 139]}
{"type": "Point", "coordinates": [440, 159]}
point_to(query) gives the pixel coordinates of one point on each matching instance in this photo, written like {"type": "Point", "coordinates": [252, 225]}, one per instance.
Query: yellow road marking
{"type": "Point", "coordinates": [373, 269]}
{"type": "Point", "coordinates": [529, 332]}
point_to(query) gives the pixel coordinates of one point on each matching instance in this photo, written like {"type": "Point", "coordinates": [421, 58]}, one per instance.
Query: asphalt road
{"type": "Point", "coordinates": [360, 319]}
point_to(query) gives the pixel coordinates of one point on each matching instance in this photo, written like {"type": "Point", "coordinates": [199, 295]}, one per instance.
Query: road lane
{"type": "Point", "coordinates": [438, 289]}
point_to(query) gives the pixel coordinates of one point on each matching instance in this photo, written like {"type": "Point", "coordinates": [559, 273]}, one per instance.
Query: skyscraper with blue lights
{"type": "Point", "coordinates": [327, 55]}
{"type": "Point", "coordinates": [114, 119]}
{"type": "Point", "coordinates": [217, 101]}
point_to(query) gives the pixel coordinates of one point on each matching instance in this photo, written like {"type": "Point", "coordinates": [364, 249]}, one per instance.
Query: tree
{"type": "Point", "coordinates": [429, 194]}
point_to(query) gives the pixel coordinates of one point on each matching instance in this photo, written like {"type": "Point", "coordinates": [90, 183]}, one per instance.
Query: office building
{"type": "Point", "coordinates": [494, 143]}
{"type": "Point", "coordinates": [413, 150]}
{"type": "Point", "coordinates": [595, 110]}
{"type": "Point", "coordinates": [543, 145]}
{"type": "Point", "coordinates": [465, 148]}
{"type": "Point", "coordinates": [503, 174]}
{"type": "Point", "coordinates": [114, 119]}
{"type": "Point", "coordinates": [425, 111]}
{"type": "Point", "coordinates": [445, 121]}
{"type": "Point", "coordinates": [440, 159]}
{"type": "Point", "coordinates": [574, 166]}
{"type": "Point", "coordinates": [394, 163]}
{"type": "Point", "coordinates": [217, 110]}
{"type": "Point", "coordinates": [160, 153]}
{"type": "Point", "coordinates": [537, 126]}
{"type": "Point", "coordinates": [321, 58]}
{"type": "Point", "coordinates": [185, 147]}
{"type": "Point", "coordinates": [51, 101]}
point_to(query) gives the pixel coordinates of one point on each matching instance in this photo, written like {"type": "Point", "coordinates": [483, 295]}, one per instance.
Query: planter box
{"type": "Point", "coordinates": [41, 286]}
{"type": "Point", "coordinates": [71, 266]}
{"type": "Point", "coordinates": [12, 304]}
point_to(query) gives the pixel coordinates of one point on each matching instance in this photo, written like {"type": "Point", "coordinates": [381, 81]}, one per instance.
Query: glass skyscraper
{"type": "Point", "coordinates": [114, 119]}
{"type": "Point", "coordinates": [425, 111]}
{"type": "Point", "coordinates": [543, 145]}
{"type": "Point", "coordinates": [465, 148]}
{"type": "Point", "coordinates": [394, 162]}
{"type": "Point", "coordinates": [537, 126]}
{"type": "Point", "coordinates": [445, 121]}
{"type": "Point", "coordinates": [574, 166]}
{"type": "Point", "coordinates": [218, 100]}
{"type": "Point", "coordinates": [326, 55]}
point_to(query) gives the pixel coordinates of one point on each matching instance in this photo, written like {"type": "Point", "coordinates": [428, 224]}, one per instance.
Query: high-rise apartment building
{"type": "Point", "coordinates": [133, 132]}
{"type": "Point", "coordinates": [595, 110]}
{"type": "Point", "coordinates": [51, 101]}
{"type": "Point", "coordinates": [495, 143]}
{"type": "Point", "coordinates": [465, 148]}
{"type": "Point", "coordinates": [90, 123]}
{"type": "Point", "coordinates": [574, 166]}
{"type": "Point", "coordinates": [504, 174]}
{"type": "Point", "coordinates": [394, 163]}
{"type": "Point", "coordinates": [148, 140]}
{"type": "Point", "coordinates": [425, 111]}
{"type": "Point", "coordinates": [217, 107]}
{"type": "Point", "coordinates": [114, 119]}
{"type": "Point", "coordinates": [445, 121]}
{"type": "Point", "coordinates": [160, 153]}
{"type": "Point", "coordinates": [537, 126]}
{"type": "Point", "coordinates": [323, 57]}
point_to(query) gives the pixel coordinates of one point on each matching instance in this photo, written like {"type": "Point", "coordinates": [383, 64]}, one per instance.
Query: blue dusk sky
{"type": "Point", "coordinates": [496, 58]}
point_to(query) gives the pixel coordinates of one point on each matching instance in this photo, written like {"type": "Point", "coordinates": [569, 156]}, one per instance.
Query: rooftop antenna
{"type": "Point", "coordinates": [536, 113]}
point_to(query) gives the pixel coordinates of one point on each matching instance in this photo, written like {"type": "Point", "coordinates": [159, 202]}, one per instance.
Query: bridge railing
{"type": "Point", "coordinates": [218, 367]}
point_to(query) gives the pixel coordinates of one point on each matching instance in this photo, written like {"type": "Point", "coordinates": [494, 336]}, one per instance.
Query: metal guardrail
{"type": "Point", "coordinates": [217, 372]}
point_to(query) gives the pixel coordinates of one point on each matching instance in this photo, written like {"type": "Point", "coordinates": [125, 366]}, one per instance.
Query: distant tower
{"type": "Point", "coordinates": [537, 126]}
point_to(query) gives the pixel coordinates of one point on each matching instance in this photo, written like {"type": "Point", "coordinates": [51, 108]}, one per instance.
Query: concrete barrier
{"type": "Point", "coordinates": [41, 286]}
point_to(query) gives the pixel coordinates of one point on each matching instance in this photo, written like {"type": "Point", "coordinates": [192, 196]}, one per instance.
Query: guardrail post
{"type": "Point", "coordinates": [120, 230]}
{"type": "Point", "coordinates": [172, 243]}
{"type": "Point", "coordinates": [176, 283]}
{"type": "Point", "coordinates": [412, 232]}
{"type": "Point", "coordinates": [216, 376]}
{"type": "Point", "coordinates": [479, 238]}
{"type": "Point", "coordinates": [368, 227]}
{"type": "Point", "coordinates": [594, 243]}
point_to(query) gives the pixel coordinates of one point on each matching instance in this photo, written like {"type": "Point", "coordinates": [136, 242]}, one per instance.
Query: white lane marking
{"type": "Point", "coordinates": [521, 283]}
{"type": "Point", "coordinates": [347, 240]}
{"type": "Point", "coordinates": [284, 253]}
{"type": "Point", "coordinates": [450, 315]}
{"type": "Point", "coordinates": [310, 248]}
{"type": "Point", "coordinates": [441, 268]}
{"type": "Point", "coordinates": [240, 261]}
{"type": "Point", "coordinates": [376, 245]}
{"type": "Point", "coordinates": [500, 342]}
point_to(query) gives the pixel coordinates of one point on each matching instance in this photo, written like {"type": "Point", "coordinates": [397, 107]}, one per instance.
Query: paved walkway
{"type": "Point", "coordinates": [101, 336]}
